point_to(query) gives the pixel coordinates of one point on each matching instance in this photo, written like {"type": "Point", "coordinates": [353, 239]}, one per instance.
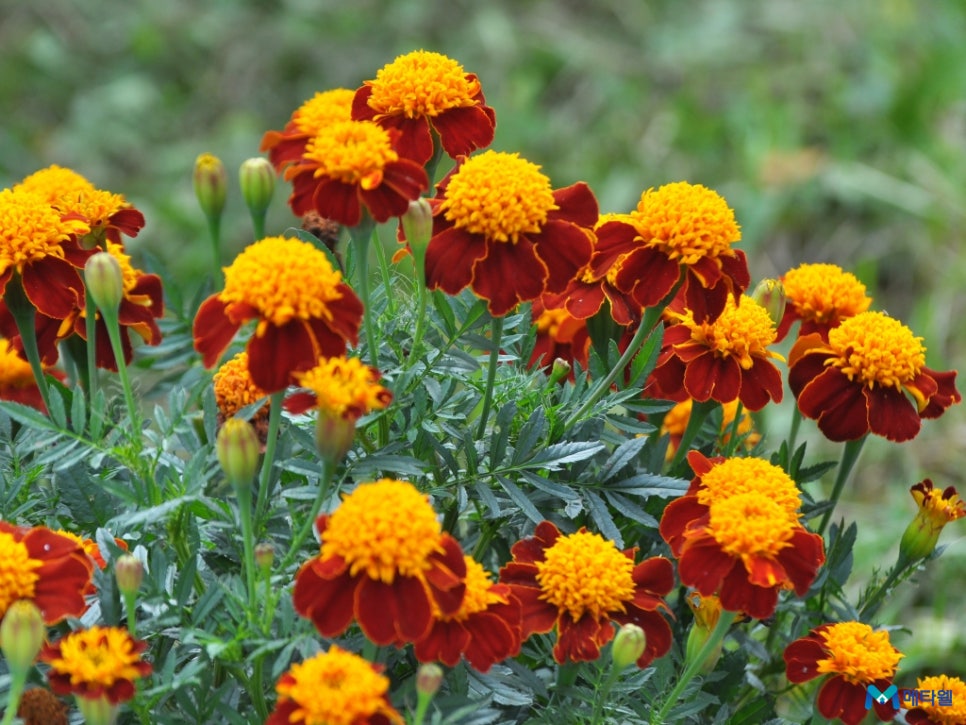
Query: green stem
{"type": "Point", "coordinates": [361, 234]}
{"type": "Point", "coordinates": [306, 528]}
{"type": "Point", "coordinates": [699, 413]}
{"type": "Point", "coordinates": [130, 610]}
{"type": "Point", "coordinates": [897, 573]}
{"type": "Point", "coordinates": [24, 316]}
{"type": "Point", "coordinates": [214, 234]}
{"type": "Point", "coordinates": [604, 692]}
{"type": "Point", "coordinates": [244, 494]}
{"type": "Point", "coordinates": [258, 224]}
{"type": "Point", "coordinates": [414, 353]}
{"type": "Point", "coordinates": [18, 681]}
{"type": "Point", "coordinates": [90, 324]}
{"type": "Point", "coordinates": [495, 336]}
{"type": "Point", "coordinates": [849, 457]}
{"type": "Point", "coordinates": [386, 277]}
{"type": "Point", "coordinates": [793, 430]}
{"type": "Point", "coordinates": [716, 638]}
{"type": "Point", "coordinates": [265, 477]}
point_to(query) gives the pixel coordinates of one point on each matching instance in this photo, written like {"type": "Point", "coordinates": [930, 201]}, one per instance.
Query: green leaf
{"type": "Point", "coordinates": [520, 499]}
{"type": "Point", "coordinates": [78, 411]}
{"type": "Point", "coordinates": [603, 519]}
{"type": "Point", "coordinates": [622, 456]}
{"type": "Point", "coordinates": [553, 457]}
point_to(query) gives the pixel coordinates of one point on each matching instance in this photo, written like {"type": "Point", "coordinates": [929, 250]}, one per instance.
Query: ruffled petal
{"type": "Point", "coordinates": [891, 414]}
{"type": "Point", "coordinates": [213, 331]}
{"type": "Point", "coordinates": [462, 130]}
{"type": "Point", "coordinates": [450, 258]}
{"type": "Point", "coordinates": [581, 641]}
{"type": "Point", "coordinates": [393, 613]}
{"type": "Point", "coordinates": [324, 593]}
{"type": "Point", "coordinates": [508, 275]}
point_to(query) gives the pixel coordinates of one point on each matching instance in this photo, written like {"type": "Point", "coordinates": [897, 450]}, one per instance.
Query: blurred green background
{"type": "Point", "coordinates": [837, 130]}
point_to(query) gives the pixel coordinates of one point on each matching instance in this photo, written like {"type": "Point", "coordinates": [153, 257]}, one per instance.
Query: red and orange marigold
{"type": "Point", "coordinates": [311, 118]}
{"type": "Point", "coordinates": [821, 296]}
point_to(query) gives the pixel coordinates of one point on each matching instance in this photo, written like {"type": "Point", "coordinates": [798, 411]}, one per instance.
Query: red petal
{"type": "Point", "coordinates": [450, 257]}
{"type": "Point", "coordinates": [128, 221]}
{"type": "Point", "coordinates": [708, 377]}
{"type": "Point", "coordinates": [801, 659]}
{"type": "Point", "coordinates": [537, 616]}
{"type": "Point", "coordinates": [614, 239]}
{"type": "Point", "coordinates": [463, 130]}
{"type": "Point", "coordinates": [585, 301]}
{"type": "Point", "coordinates": [841, 699]}
{"type": "Point", "coordinates": [337, 201]}
{"type": "Point", "coordinates": [393, 613]}
{"type": "Point", "coordinates": [655, 576]}
{"type": "Point", "coordinates": [945, 396]}
{"type": "Point", "coordinates": [703, 565]}
{"type": "Point", "coordinates": [802, 559]}
{"type": "Point", "coordinates": [415, 142]}
{"type": "Point", "coordinates": [445, 643]}
{"type": "Point", "coordinates": [738, 594]}
{"type": "Point", "coordinates": [213, 331]}
{"type": "Point", "coordinates": [54, 287]}
{"type": "Point", "coordinates": [577, 204]}
{"type": "Point", "coordinates": [446, 577]}
{"type": "Point", "coordinates": [508, 275]}
{"type": "Point", "coordinates": [278, 352]}
{"type": "Point", "coordinates": [361, 110]}
{"type": "Point", "coordinates": [838, 404]}
{"type": "Point", "coordinates": [495, 635]}
{"type": "Point", "coordinates": [892, 415]}
{"type": "Point", "coordinates": [759, 384]}
{"type": "Point", "coordinates": [657, 633]}
{"type": "Point", "coordinates": [324, 592]}
{"type": "Point", "coordinates": [677, 515]}
{"type": "Point", "coordinates": [581, 641]}
{"type": "Point", "coordinates": [564, 249]}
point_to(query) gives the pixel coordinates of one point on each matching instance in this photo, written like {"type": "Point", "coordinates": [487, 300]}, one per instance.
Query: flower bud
{"type": "Point", "coordinates": [129, 573]}
{"type": "Point", "coordinates": [334, 435]}
{"type": "Point", "coordinates": [105, 281]}
{"type": "Point", "coordinates": [211, 185]}
{"type": "Point", "coordinates": [22, 635]}
{"type": "Point", "coordinates": [237, 447]}
{"type": "Point", "coordinates": [707, 611]}
{"type": "Point", "coordinates": [628, 645]}
{"type": "Point", "coordinates": [417, 225]}
{"type": "Point", "coordinates": [97, 710]}
{"type": "Point", "coordinates": [257, 179]}
{"type": "Point", "coordinates": [936, 509]}
{"type": "Point", "coordinates": [264, 556]}
{"type": "Point", "coordinates": [770, 294]}
{"type": "Point", "coordinates": [429, 678]}
{"type": "Point", "coordinates": [560, 370]}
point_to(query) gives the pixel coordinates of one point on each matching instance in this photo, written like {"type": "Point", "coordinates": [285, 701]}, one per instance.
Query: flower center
{"type": "Point", "coordinates": [825, 293]}
{"type": "Point", "coordinates": [96, 206]}
{"type": "Point", "coordinates": [334, 688]}
{"type": "Point", "coordinates": [283, 279]}
{"type": "Point", "coordinates": [55, 184]}
{"type": "Point", "coordinates": [345, 387]}
{"type": "Point", "coordinates": [422, 84]}
{"type": "Point", "coordinates": [751, 525]}
{"type": "Point", "coordinates": [940, 506]}
{"type": "Point", "coordinates": [129, 274]}
{"type": "Point", "coordinates": [585, 572]}
{"type": "Point", "coordinates": [352, 152]}
{"type": "Point", "coordinates": [99, 656]}
{"type": "Point", "coordinates": [15, 372]}
{"type": "Point", "coordinates": [947, 714]}
{"type": "Point", "coordinates": [735, 476]}
{"type": "Point", "coordinates": [30, 229]}
{"type": "Point", "coordinates": [383, 528]}
{"type": "Point", "coordinates": [18, 574]}
{"type": "Point", "coordinates": [687, 222]}
{"type": "Point", "coordinates": [744, 331]}
{"type": "Point", "coordinates": [234, 387]}
{"type": "Point", "coordinates": [498, 195]}
{"type": "Point", "coordinates": [478, 595]}
{"type": "Point", "coordinates": [858, 653]}
{"type": "Point", "coordinates": [875, 349]}
{"type": "Point", "coordinates": [549, 321]}
{"type": "Point", "coordinates": [324, 109]}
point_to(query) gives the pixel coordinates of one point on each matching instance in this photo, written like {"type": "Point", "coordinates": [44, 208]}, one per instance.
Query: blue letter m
{"type": "Point", "coordinates": [873, 694]}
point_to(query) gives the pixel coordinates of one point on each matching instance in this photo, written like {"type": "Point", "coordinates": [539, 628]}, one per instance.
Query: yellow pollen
{"type": "Point", "coordinates": [129, 274]}
{"type": "Point", "coordinates": [858, 653]}
{"type": "Point", "coordinates": [55, 183]}
{"type": "Point", "coordinates": [953, 713]}
{"type": "Point", "coordinates": [234, 387]}
{"type": "Point", "coordinates": [336, 688]}
{"type": "Point", "coordinates": [345, 387]}
{"type": "Point", "coordinates": [687, 222]}
{"type": "Point", "coordinates": [421, 83]}
{"type": "Point", "coordinates": [549, 321]}
{"type": "Point", "coordinates": [96, 206]}
{"type": "Point", "coordinates": [500, 196]}
{"type": "Point", "coordinates": [15, 372]}
{"type": "Point", "coordinates": [324, 109]}
{"type": "Point", "coordinates": [383, 529]}
{"type": "Point", "coordinates": [585, 572]}
{"type": "Point", "coordinates": [751, 525]}
{"type": "Point", "coordinates": [825, 293]}
{"type": "Point", "coordinates": [283, 279]}
{"type": "Point", "coordinates": [98, 656]}
{"type": "Point", "coordinates": [875, 349]}
{"type": "Point", "coordinates": [743, 331]}
{"type": "Point", "coordinates": [735, 476]}
{"type": "Point", "coordinates": [18, 572]}
{"type": "Point", "coordinates": [30, 229]}
{"type": "Point", "coordinates": [352, 152]}
{"type": "Point", "coordinates": [478, 594]}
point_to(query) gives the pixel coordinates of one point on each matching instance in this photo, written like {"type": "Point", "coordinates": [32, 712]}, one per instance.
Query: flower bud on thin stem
{"type": "Point", "coordinates": [770, 294]}
{"type": "Point", "coordinates": [237, 447]}
{"type": "Point", "coordinates": [21, 637]}
{"type": "Point", "coordinates": [211, 189]}
{"type": "Point", "coordinates": [429, 678]}
{"type": "Point", "coordinates": [628, 645]}
{"type": "Point", "coordinates": [257, 180]}
{"type": "Point", "coordinates": [105, 281]}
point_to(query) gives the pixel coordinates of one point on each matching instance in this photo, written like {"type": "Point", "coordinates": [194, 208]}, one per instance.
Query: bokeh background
{"type": "Point", "coordinates": [837, 131]}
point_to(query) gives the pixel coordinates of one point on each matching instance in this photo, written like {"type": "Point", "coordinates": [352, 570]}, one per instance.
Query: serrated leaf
{"type": "Point", "coordinates": [520, 499]}
{"type": "Point", "coordinates": [555, 456]}
{"type": "Point", "coordinates": [58, 413]}
{"type": "Point", "coordinates": [622, 455]}
{"type": "Point", "coordinates": [558, 490]}
{"type": "Point", "coordinates": [78, 411]}
{"type": "Point", "coordinates": [650, 484]}
{"type": "Point", "coordinates": [532, 431]}
{"type": "Point", "coordinates": [629, 509]}
{"type": "Point", "coordinates": [601, 516]}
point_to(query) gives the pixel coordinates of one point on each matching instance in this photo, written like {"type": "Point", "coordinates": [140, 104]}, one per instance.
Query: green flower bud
{"type": "Point", "coordinates": [22, 635]}
{"type": "Point", "coordinates": [628, 645]}
{"type": "Point", "coordinates": [770, 294]}
{"type": "Point", "coordinates": [417, 225]}
{"type": "Point", "coordinates": [257, 179]}
{"type": "Point", "coordinates": [97, 710]}
{"type": "Point", "coordinates": [936, 509]}
{"type": "Point", "coordinates": [105, 281]}
{"type": "Point", "coordinates": [334, 435]}
{"type": "Point", "coordinates": [264, 556]}
{"type": "Point", "coordinates": [707, 611]}
{"type": "Point", "coordinates": [560, 370]}
{"type": "Point", "coordinates": [129, 573]}
{"type": "Point", "coordinates": [429, 678]}
{"type": "Point", "coordinates": [238, 449]}
{"type": "Point", "coordinates": [211, 185]}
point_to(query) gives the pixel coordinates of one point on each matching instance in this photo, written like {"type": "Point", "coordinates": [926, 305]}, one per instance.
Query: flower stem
{"type": "Point", "coordinates": [716, 638]}
{"type": "Point", "coordinates": [604, 692]}
{"type": "Point", "coordinates": [18, 681]}
{"type": "Point", "coordinates": [361, 235]}
{"type": "Point", "coordinates": [699, 413]}
{"type": "Point", "coordinates": [305, 529]}
{"type": "Point", "coordinates": [91, 327]}
{"type": "Point", "coordinates": [130, 610]}
{"type": "Point", "coordinates": [265, 477]}
{"type": "Point", "coordinates": [849, 457]}
{"type": "Point", "coordinates": [793, 430]}
{"type": "Point", "coordinates": [248, 545]}
{"type": "Point", "coordinates": [214, 234]}
{"type": "Point", "coordinates": [24, 316]}
{"type": "Point", "coordinates": [495, 336]}
{"type": "Point", "coordinates": [386, 277]}
{"type": "Point", "coordinates": [899, 571]}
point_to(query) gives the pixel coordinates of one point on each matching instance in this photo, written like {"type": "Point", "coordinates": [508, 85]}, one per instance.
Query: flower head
{"type": "Point", "coordinates": [56, 184]}
{"type": "Point", "coordinates": [423, 92]}
{"type": "Point", "coordinates": [303, 309]}
{"type": "Point", "coordinates": [724, 360]}
{"type": "Point", "coordinates": [503, 231]}
{"type": "Point", "coordinates": [559, 335]}
{"type": "Point", "coordinates": [384, 562]}
{"type": "Point", "coordinates": [17, 382]}
{"type": "Point", "coordinates": [40, 706]}
{"type": "Point", "coordinates": [320, 111]}
{"type": "Point", "coordinates": [582, 583]}
{"type": "Point", "coordinates": [334, 688]}
{"type": "Point", "coordinates": [677, 228]}
{"type": "Point", "coordinates": [821, 296]}
{"type": "Point", "coordinates": [936, 509]}
{"type": "Point", "coordinates": [100, 663]}
{"type": "Point", "coordinates": [235, 389]}
{"type": "Point", "coordinates": [737, 534]}
{"type": "Point", "coordinates": [953, 713]}
{"type": "Point", "coordinates": [851, 656]}
{"type": "Point", "coordinates": [869, 376]}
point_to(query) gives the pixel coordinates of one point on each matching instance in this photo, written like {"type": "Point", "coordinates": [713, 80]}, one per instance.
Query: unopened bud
{"type": "Point", "coordinates": [257, 180]}
{"type": "Point", "coordinates": [129, 573]}
{"type": "Point", "coordinates": [105, 281]}
{"type": "Point", "coordinates": [770, 294]}
{"type": "Point", "coordinates": [707, 612]}
{"type": "Point", "coordinates": [211, 184]}
{"type": "Point", "coordinates": [417, 224]}
{"type": "Point", "coordinates": [560, 370]}
{"type": "Point", "coordinates": [237, 447]}
{"type": "Point", "coordinates": [628, 645]}
{"type": "Point", "coordinates": [264, 556]}
{"type": "Point", "coordinates": [334, 435]}
{"type": "Point", "coordinates": [97, 710]}
{"type": "Point", "coordinates": [22, 635]}
{"type": "Point", "coordinates": [936, 509]}
{"type": "Point", "coordinates": [429, 678]}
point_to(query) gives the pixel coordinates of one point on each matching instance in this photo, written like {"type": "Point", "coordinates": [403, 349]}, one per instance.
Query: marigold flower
{"type": "Point", "coordinates": [55, 184]}
{"type": "Point", "coordinates": [486, 628]}
{"type": "Point", "coordinates": [582, 583]}
{"type": "Point", "coordinates": [852, 656]}
{"type": "Point", "coordinates": [707, 612]}
{"type": "Point", "coordinates": [17, 382]}
{"type": "Point", "coordinates": [501, 229]}
{"type": "Point", "coordinates": [724, 360]}
{"type": "Point", "coordinates": [737, 534]}
{"type": "Point", "coordinates": [940, 714]}
{"type": "Point", "coordinates": [100, 663]}
{"type": "Point", "coordinates": [235, 389]}
{"type": "Point", "coordinates": [320, 111]}
{"type": "Point", "coordinates": [857, 381]}
{"type": "Point", "coordinates": [349, 165]}
{"type": "Point", "coordinates": [821, 296]}
{"type": "Point", "coordinates": [936, 509]}
{"type": "Point", "coordinates": [303, 308]}
{"type": "Point", "coordinates": [384, 563]}
{"type": "Point", "coordinates": [39, 706]}
{"type": "Point", "coordinates": [51, 570]}
{"type": "Point", "coordinates": [334, 688]}
{"type": "Point", "coordinates": [559, 335]}
{"type": "Point", "coordinates": [423, 92]}
{"type": "Point", "coordinates": [91, 547]}
{"type": "Point", "coordinates": [675, 422]}
{"type": "Point", "coordinates": [678, 227]}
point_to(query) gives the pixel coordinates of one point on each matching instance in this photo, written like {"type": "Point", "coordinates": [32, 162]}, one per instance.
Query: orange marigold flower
{"type": "Point", "coordinates": [384, 563]}
{"type": "Point", "coordinates": [235, 389]}
{"type": "Point", "coordinates": [737, 534]}
{"type": "Point", "coordinates": [351, 165]}
{"type": "Point", "coordinates": [953, 713]}
{"type": "Point", "coordinates": [724, 360]}
{"type": "Point", "coordinates": [936, 509]}
{"type": "Point", "coordinates": [582, 584]}
{"type": "Point", "coordinates": [820, 296]}
{"type": "Point", "coordinates": [869, 376]}
{"type": "Point", "coordinates": [320, 111]}
{"type": "Point", "coordinates": [38, 564]}
{"type": "Point", "coordinates": [677, 228]}
{"type": "Point", "coordinates": [676, 422]}
{"type": "Point", "coordinates": [56, 183]}
{"type": "Point", "coordinates": [559, 335]}
{"type": "Point", "coordinates": [486, 629]}
{"type": "Point", "coordinates": [91, 547]}
{"type": "Point", "coordinates": [41, 707]}
{"type": "Point", "coordinates": [851, 656]}
{"type": "Point", "coordinates": [422, 92]}
{"type": "Point", "coordinates": [303, 308]}
{"type": "Point", "coordinates": [100, 663]}
{"type": "Point", "coordinates": [334, 688]}
{"type": "Point", "coordinates": [501, 229]}
{"type": "Point", "coordinates": [17, 381]}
